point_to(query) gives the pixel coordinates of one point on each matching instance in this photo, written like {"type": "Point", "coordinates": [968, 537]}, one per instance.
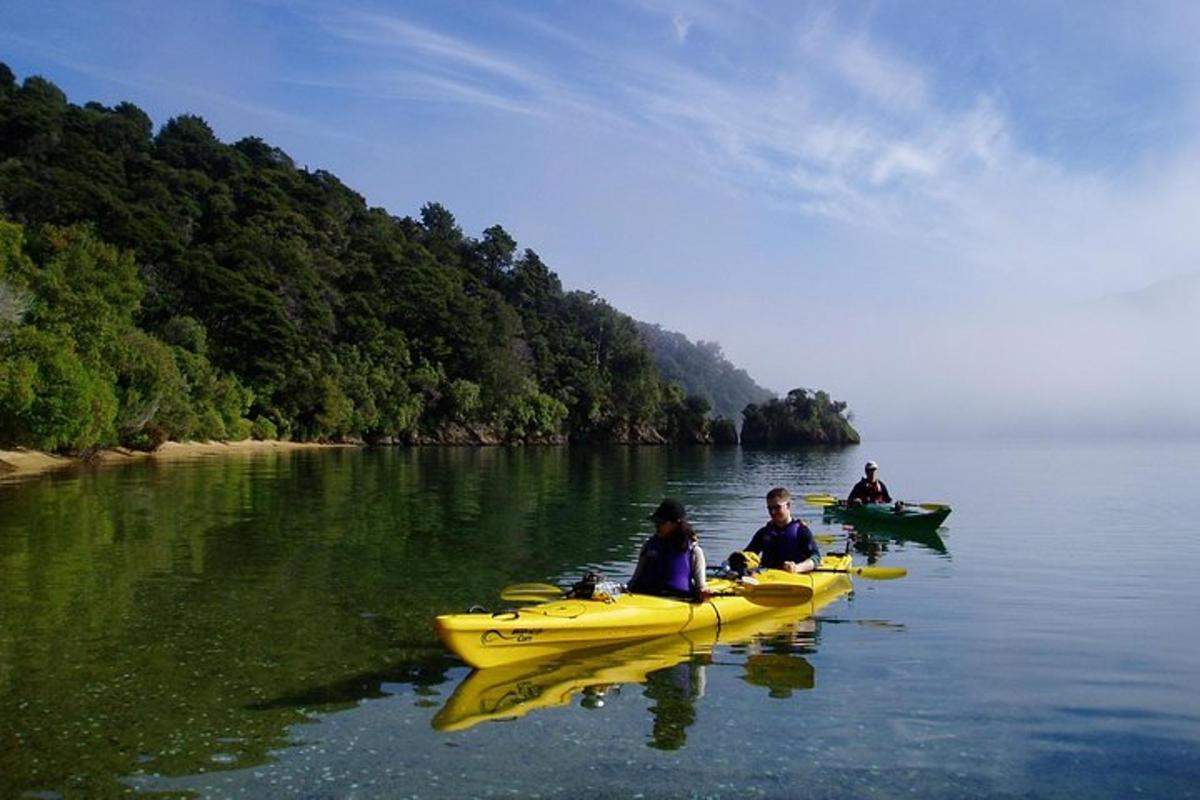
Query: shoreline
{"type": "Point", "coordinates": [23, 463]}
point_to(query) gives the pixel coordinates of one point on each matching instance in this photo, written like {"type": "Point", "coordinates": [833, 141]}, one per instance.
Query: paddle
{"type": "Point", "coordinates": [871, 573]}
{"type": "Point", "coordinates": [545, 592]}
{"type": "Point", "coordinates": [786, 592]}
{"type": "Point", "coordinates": [530, 592]}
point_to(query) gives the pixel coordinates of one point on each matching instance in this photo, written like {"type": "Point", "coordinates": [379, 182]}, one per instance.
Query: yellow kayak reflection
{"type": "Point", "coordinates": [511, 691]}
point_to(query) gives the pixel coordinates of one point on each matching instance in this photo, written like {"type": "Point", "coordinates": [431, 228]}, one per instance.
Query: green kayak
{"type": "Point", "coordinates": [886, 516]}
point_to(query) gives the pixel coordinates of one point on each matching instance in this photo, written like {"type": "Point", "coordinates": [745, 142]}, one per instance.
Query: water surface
{"type": "Point", "coordinates": [259, 626]}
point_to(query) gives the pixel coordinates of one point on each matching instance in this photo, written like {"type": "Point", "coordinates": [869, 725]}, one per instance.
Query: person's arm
{"type": "Point", "coordinates": [699, 568]}
{"type": "Point", "coordinates": [857, 493]}
{"type": "Point", "coordinates": [815, 551]}
{"type": "Point", "coordinates": [887, 498]}
{"type": "Point", "coordinates": [637, 571]}
{"type": "Point", "coordinates": [755, 545]}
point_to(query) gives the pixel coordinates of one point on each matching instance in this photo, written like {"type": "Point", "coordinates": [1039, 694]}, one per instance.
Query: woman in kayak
{"type": "Point", "coordinates": [869, 489]}
{"type": "Point", "coordinates": [784, 543]}
{"type": "Point", "coordinates": [671, 563]}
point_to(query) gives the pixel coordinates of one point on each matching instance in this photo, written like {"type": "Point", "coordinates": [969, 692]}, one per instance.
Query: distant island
{"type": "Point", "coordinates": [167, 286]}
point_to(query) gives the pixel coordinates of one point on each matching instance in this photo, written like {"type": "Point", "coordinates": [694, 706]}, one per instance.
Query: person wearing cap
{"type": "Point", "coordinates": [671, 563]}
{"type": "Point", "coordinates": [869, 489]}
{"type": "Point", "coordinates": [784, 543]}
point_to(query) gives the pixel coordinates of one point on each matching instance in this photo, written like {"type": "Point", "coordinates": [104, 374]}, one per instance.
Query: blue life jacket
{"type": "Point", "coordinates": [666, 570]}
{"type": "Point", "coordinates": [788, 544]}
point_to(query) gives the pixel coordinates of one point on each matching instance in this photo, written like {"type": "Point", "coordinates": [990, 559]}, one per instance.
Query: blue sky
{"type": "Point", "coordinates": [938, 211]}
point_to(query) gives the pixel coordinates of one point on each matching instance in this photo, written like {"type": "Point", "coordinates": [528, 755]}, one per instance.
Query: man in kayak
{"type": "Point", "coordinates": [869, 489]}
{"type": "Point", "coordinates": [784, 543]}
{"type": "Point", "coordinates": [671, 563]}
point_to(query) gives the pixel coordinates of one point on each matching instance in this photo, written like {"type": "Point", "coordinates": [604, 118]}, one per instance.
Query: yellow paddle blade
{"type": "Point", "coordinates": [871, 573]}
{"type": "Point", "coordinates": [934, 506]}
{"type": "Point", "coordinates": [530, 592]}
{"type": "Point", "coordinates": [878, 573]}
{"type": "Point", "coordinates": [529, 599]}
{"type": "Point", "coordinates": [775, 594]}
{"type": "Point", "coordinates": [825, 538]}
{"type": "Point", "coordinates": [820, 499]}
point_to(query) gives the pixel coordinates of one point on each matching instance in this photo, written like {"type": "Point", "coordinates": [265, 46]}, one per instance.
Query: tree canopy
{"type": "Point", "coordinates": [803, 417]}
{"type": "Point", "coordinates": [702, 370]}
{"type": "Point", "coordinates": [166, 285]}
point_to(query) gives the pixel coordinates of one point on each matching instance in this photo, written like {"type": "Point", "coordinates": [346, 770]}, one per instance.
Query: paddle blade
{"type": "Point", "coordinates": [530, 593]}
{"type": "Point", "coordinates": [778, 593]}
{"type": "Point", "coordinates": [775, 595]}
{"type": "Point", "coordinates": [532, 598]}
{"type": "Point", "coordinates": [820, 499]}
{"type": "Point", "coordinates": [879, 573]}
{"type": "Point", "coordinates": [871, 573]}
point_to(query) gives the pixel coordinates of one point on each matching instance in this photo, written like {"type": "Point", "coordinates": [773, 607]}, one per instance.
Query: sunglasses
{"type": "Point", "coordinates": [775, 506]}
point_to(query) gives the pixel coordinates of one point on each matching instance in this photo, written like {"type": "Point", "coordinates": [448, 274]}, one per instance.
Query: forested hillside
{"type": "Point", "coordinates": [803, 417]}
{"type": "Point", "coordinates": [165, 285]}
{"type": "Point", "coordinates": [702, 370]}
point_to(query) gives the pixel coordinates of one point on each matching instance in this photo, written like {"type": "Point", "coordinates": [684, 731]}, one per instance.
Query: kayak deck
{"type": "Point", "coordinates": [888, 516]}
{"type": "Point", "coordinates": [567, 625]}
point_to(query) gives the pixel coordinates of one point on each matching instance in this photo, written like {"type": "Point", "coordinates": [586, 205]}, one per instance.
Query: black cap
{"type": "Point", "coordinates": [669, 510]}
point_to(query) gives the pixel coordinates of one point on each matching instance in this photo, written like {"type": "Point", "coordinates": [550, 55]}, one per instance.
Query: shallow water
{"type": "Point", "coordinates": [259, 626]}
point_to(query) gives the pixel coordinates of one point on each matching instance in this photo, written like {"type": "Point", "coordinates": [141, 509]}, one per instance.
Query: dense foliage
{"type": "Point", "coordinates": [803, 417]}
{"type": "Point", "coordinates": [166, 285]}
{"type": "Point", "coordinates": [702, 370]}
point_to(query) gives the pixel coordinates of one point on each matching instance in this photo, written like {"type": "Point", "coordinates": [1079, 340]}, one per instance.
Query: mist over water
{"type": "Point", "coordinates": [1120, 366]}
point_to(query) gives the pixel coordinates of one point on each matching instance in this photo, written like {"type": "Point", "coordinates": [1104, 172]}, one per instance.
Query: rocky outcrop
{"type": "Point", "coordinates": [803, 417]}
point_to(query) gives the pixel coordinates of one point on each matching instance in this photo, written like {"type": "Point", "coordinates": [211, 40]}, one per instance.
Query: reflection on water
{"type": "Point", "coordinates": [874, 544]}
{"type": "Point", "coordinates": [167, 618]}
{"type": "Point", "coordinates": [260, 627]}
{"type": "Point", "coordinates": [781, 673]}
{"type": "Point", "coordinates": [674, 692]}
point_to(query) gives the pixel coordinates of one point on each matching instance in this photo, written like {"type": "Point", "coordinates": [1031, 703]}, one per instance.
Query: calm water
{"type": "Point", "coordinates": [260, 627]}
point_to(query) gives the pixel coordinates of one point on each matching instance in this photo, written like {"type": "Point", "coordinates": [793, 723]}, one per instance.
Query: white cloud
{"type": "Point", "coordinates": [681, 25]}
{"type": "Point", "coordinates": [892, 83]}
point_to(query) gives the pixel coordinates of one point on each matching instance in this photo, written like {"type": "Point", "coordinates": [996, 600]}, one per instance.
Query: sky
{"type": "Point", "coordinates": [964, 219]}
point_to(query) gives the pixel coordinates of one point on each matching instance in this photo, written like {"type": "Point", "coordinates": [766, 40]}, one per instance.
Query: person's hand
{"type": "Point", "coordinates": [790, 566]}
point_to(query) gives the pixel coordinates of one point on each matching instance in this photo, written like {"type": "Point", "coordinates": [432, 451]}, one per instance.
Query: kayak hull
{"type": "Point", "coordinates": [885, 517]}
{"type": "Point", "coordinates": [551, 629]}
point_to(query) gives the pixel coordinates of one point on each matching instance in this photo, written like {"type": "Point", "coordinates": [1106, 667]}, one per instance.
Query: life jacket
{"type": "Point", "coordinates": [780, 545]}
{"type": "Point", "coordinates": [666, 569]}
{"type": "Point", "coordinates": [869, 492]}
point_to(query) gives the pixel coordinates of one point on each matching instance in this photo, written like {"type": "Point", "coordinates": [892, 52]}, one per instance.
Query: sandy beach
{"type": "Point", "coordinates": [22, 463]}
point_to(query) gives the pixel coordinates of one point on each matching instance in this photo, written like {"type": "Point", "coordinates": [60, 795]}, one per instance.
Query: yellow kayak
{"type": "Point", "coordinates": [551, 629]}
{"type": "Point", "coordinates": [514, 690]}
